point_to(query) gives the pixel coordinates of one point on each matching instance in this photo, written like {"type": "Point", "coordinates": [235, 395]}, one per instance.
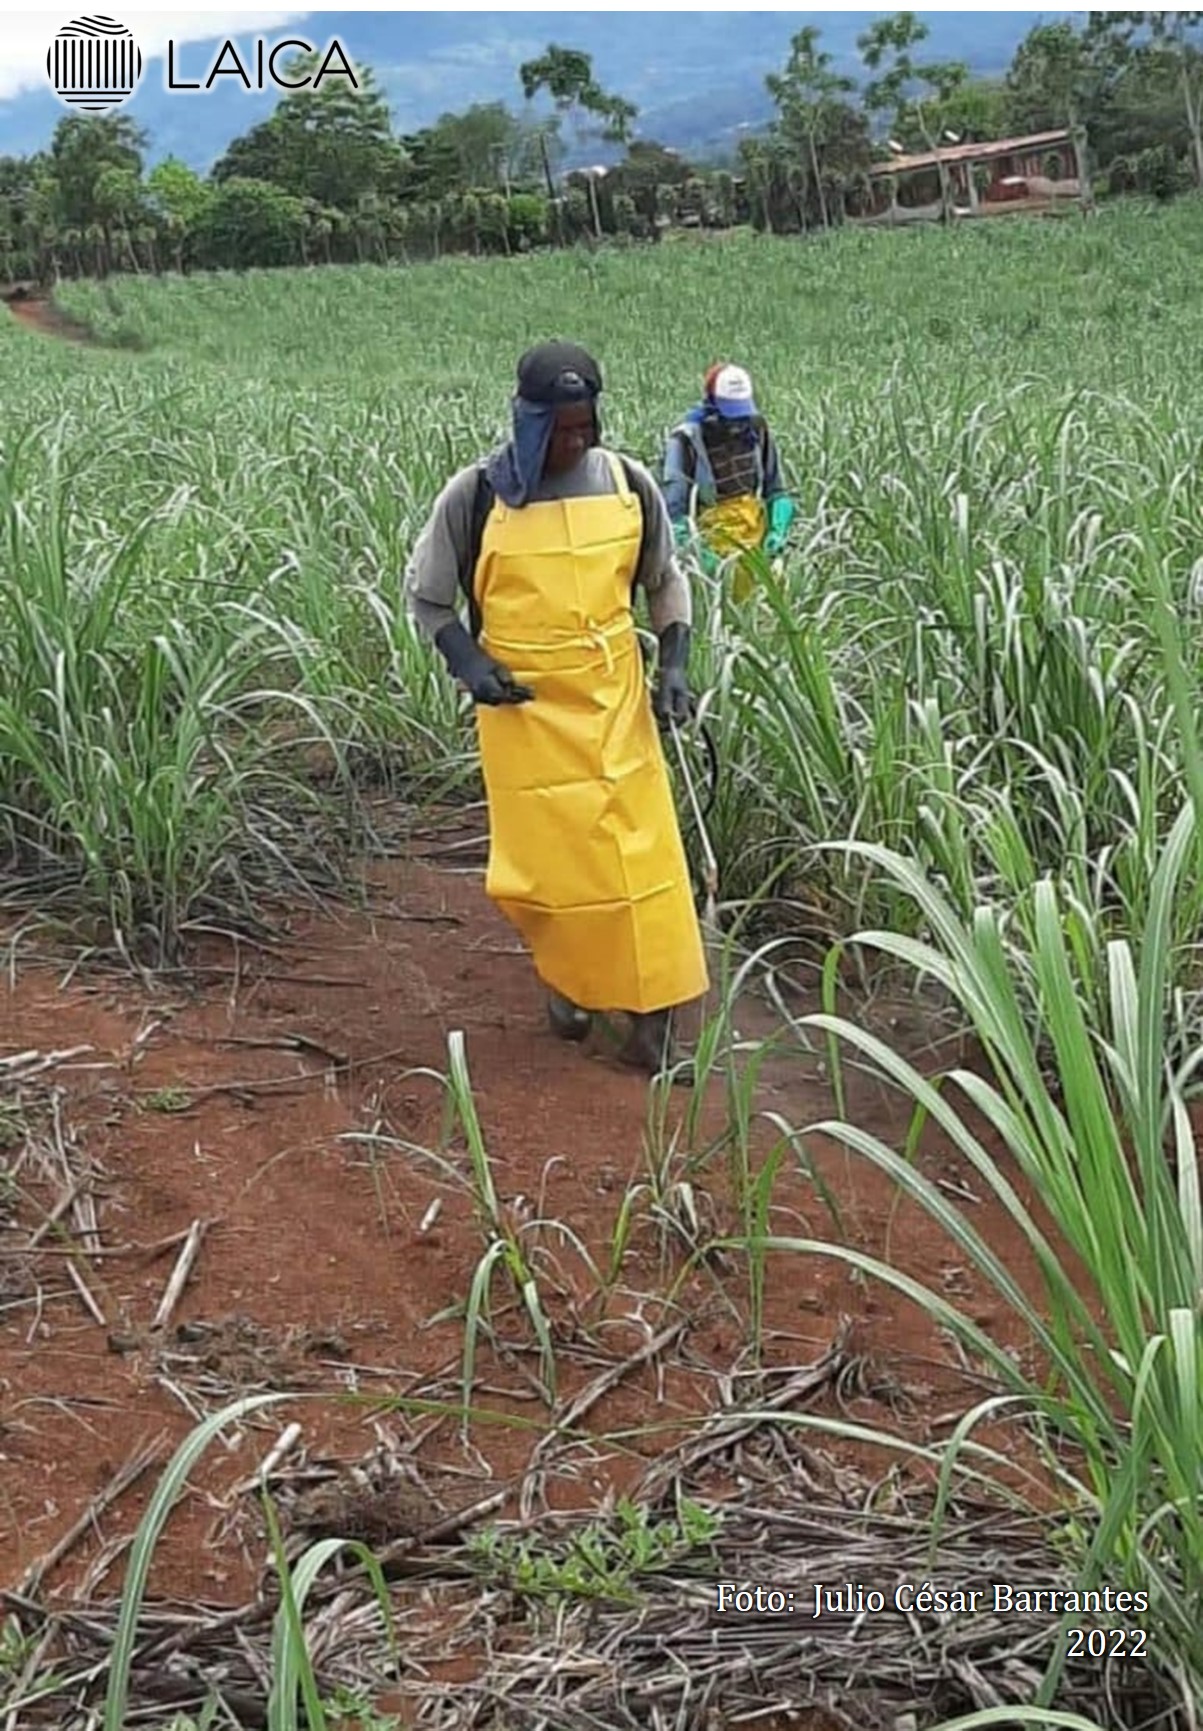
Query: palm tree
{"type": "Point", "coordinates": [495, 218]}
{"type": "Point", "coordinates": [71, 250]}
{"type": "Point", "coordinates": [368, 226]}
{"type": "Point", "coordinates": [398, 226]}
{"type": "Point", "coordinates": [95, 236]}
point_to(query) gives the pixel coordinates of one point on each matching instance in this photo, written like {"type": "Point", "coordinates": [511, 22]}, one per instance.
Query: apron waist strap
{"type": "Point", "coordinates": [564, 648]}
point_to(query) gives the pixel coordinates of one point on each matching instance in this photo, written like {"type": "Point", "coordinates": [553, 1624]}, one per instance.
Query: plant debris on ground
{"type": "Point", "coordinates": [615, 1618]}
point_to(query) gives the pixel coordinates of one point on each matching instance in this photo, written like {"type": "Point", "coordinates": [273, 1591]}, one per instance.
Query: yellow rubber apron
{"type": "Point", "coordinates": [585, 853]}
{"type": "Point", "coordinates": [732, 526]}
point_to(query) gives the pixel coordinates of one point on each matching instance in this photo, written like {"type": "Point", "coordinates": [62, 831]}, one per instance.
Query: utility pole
{"type": "Point", "coordinates": [551, 187]}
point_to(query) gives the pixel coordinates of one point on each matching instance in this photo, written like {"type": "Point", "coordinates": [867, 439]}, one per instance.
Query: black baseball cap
{"type": "Point", "coordinates": [558, 373]}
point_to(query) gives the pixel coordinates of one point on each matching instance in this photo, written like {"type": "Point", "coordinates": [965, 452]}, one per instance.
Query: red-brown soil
{"type": "Point", "coordinates": [40, 313]}
{"type": "Point", "coordinates": [233, 1095]}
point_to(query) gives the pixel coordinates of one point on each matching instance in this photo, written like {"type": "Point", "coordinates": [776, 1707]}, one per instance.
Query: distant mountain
{"type": "Point", "coordinates": [698, 78]}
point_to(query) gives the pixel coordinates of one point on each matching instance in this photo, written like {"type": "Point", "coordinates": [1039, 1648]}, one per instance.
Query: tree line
{"type": "Point", "coordinates": [327, 179]}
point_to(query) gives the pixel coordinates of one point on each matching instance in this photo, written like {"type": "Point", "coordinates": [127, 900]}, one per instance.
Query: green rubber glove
{"type": "Point", "coordinates": [781, 515]}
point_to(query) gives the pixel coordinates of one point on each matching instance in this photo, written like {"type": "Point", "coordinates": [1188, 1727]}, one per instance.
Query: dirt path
{"type": "Point", "coordinates": [39, 313]}
{"type": "Point", "coordinates": [253, 1103]}
{"type": "Point", "coordinates": [280, 1098]}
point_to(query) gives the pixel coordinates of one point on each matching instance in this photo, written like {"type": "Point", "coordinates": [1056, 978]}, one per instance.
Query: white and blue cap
{"type": "Point", "coordinates": [730, 390]}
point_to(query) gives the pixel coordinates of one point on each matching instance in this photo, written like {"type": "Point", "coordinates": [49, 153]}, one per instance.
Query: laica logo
{"type": "Point", "coordinates": [94, 63]}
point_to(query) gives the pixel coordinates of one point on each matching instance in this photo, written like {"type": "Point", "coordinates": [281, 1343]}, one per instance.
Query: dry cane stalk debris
{"type": "Point", "coordinates": [671, 1659]}
{"type": "Point", "coordinates": [139, 1463]}
{"type": "Point", "coordinates": [179, 1274]}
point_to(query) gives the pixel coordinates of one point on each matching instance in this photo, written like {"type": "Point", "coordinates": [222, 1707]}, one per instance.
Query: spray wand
{"type": "Point", "coordinates": [710, 864]}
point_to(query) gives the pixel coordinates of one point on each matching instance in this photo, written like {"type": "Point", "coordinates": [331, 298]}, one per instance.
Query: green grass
{"type": "Point", "coordinates": [1119, 1339]}
{"type": "Point", "coordinates": [959, 727]}
{"type": "Point", "coordinates": [991, 435]}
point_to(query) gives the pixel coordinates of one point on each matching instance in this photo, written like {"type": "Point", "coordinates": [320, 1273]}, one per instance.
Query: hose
{"type": "Point", "coordinates": [710, 864]}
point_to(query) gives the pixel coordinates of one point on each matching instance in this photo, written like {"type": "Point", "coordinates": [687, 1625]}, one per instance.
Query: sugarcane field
{"type": "Point", "coordinates": [601, 871]}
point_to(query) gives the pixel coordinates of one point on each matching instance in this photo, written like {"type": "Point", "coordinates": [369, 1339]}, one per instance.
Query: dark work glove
{"type": "Point", "coordinates": [672, 700]}
{"type": "Point", "coordinates": [487, 680]}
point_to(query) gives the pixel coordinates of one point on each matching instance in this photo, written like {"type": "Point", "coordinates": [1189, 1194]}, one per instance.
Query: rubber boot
{"type": "Point", "coordinates": [650, 1047]}
{"type": "Point", "coordinates": [567, 1021]}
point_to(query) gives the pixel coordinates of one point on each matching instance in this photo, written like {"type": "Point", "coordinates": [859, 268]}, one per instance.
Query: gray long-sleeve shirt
{"type": "Point", "coordinates": [442, 550]}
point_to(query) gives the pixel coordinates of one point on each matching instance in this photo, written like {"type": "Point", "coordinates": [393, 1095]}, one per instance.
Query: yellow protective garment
{"type": "Point", "coordinates": [585, 853]}
{"type": "Point", "coordinates": [733, 526]}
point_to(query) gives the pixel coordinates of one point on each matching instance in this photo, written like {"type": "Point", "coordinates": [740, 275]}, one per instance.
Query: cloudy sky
{"type": "Point", "coordinates": [697, 81]}
{"type": "Point", "coordinates": [27, 35]}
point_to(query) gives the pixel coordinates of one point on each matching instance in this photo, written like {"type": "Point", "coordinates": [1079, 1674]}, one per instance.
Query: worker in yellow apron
{"type": "Point", "coordinates": [722, 479]}
{"type": "Point", "coordinates": [585, 853]}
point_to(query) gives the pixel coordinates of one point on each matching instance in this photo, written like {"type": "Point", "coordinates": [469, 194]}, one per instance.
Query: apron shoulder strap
{"type": "Point", "coordinates": [624, 481]}
{"type": "Point", "coordinates": [622, 476]}
{"type": "Point", "coordinates": [624, 484]}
